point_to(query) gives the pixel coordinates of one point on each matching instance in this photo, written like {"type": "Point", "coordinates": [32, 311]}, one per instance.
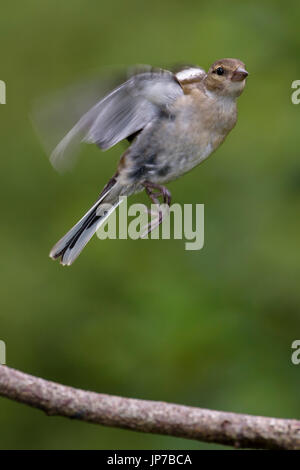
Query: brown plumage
{"type": "Point", "coordinates": [174, 122]}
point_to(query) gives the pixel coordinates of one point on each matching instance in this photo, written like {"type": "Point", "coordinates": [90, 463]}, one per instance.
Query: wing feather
{"type": "Point", "coordinates": [123, 112]}
{"type": "Point", "coordinates": [189, 74]}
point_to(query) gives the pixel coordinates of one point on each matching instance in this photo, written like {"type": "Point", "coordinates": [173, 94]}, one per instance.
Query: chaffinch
{"type": "Point", "coordinates": [173, 122]}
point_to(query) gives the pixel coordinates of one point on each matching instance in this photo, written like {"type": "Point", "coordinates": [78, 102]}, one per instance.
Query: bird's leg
{"type": "Point", "coordinates": [155, 191]}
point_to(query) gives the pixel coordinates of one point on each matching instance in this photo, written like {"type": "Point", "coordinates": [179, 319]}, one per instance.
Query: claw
{"type": "Point", "coordinates": [155, 191]}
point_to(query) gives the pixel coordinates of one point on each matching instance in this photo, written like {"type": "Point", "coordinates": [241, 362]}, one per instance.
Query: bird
{"type": "Point", "coordinates": [173, 121]}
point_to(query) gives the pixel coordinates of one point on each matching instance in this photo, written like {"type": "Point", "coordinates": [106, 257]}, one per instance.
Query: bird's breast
{"type": "Point", "coordinates": [171, 146]}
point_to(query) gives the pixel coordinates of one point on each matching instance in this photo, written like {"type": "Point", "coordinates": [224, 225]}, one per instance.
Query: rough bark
{"type": "Point", "coordinates": [239, 430]}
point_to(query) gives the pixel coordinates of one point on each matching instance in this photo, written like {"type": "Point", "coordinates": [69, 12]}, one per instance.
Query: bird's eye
{"type": "Point", "coordinates": [220, 71]}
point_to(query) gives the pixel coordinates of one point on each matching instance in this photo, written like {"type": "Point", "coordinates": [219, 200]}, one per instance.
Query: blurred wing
{"type": "Point", "coordinates": [53, 115]}
{"type": "Point", "coordinates": [126, 110]}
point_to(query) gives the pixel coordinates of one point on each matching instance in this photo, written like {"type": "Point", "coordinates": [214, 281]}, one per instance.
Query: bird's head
{"type": "Point", "coordinates": [226, 77]}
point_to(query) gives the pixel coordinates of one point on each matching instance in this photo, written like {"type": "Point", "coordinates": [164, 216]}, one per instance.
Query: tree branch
{"type": "Point", "coordinates": [239, 430]}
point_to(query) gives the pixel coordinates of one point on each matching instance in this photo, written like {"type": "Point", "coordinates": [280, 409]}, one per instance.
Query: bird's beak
{"type": "Point", "coordinates": [239, 74]}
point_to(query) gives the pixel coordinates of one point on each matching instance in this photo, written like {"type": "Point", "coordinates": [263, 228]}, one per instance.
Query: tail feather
{"type": "Point", "coordinates": [70, 245]}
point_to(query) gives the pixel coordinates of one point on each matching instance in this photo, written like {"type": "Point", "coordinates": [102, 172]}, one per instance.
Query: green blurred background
{"type": "Point", "coordinates": [147, 319]}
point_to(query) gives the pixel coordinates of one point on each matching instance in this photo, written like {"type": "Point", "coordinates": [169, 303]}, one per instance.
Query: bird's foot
{"type": "Point", "coordinates": [155, 191]}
